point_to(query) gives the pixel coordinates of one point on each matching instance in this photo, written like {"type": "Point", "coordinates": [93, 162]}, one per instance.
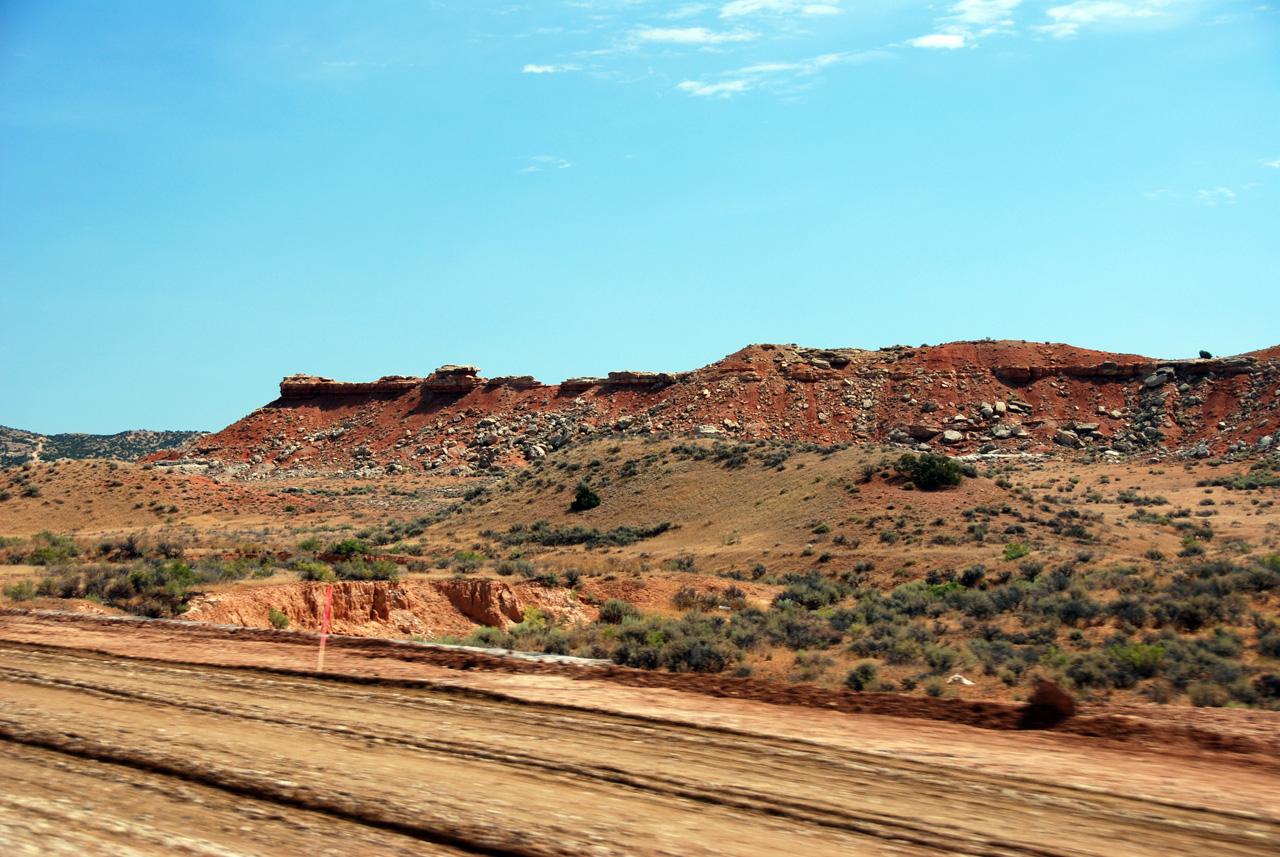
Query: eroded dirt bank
{"type": "Point", "coordinates": [244, 756]}
{"type": "Point", "coordinates": [428, 608]}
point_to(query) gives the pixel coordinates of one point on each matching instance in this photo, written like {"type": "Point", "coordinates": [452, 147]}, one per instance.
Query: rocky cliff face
{"type": "Point", "coordinates": [989, 396]}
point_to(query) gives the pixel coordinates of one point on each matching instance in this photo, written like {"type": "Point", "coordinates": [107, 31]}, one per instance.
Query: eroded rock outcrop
{"type": "Point", "coordinates": [988, 396]}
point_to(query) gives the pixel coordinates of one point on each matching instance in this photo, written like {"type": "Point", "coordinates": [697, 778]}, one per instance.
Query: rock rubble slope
{"type": "Point", "coordinates": [963, 397]}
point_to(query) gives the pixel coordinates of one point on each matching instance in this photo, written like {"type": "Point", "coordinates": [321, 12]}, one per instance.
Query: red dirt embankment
{"type": "Point", "coordinates": [428, 608]}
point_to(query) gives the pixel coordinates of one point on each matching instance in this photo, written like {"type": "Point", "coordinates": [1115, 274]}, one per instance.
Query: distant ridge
{"type": "Point", "coordinates": [18, 446]}
{"type": "Point", "coordinates": [998, 397]}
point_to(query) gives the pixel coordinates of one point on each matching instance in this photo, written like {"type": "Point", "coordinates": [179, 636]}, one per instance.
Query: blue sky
{"type": "Point", "coordinates": [198, 198]}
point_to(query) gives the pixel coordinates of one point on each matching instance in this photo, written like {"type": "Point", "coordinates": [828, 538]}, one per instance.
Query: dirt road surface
{"type": "Point", "coordinates": [139, 739]}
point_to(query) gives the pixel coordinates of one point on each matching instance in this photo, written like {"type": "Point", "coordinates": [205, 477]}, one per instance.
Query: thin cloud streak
{"type": "Point", "coordinates": [739, 8]}
{"type": "Point", "coordinates": [765, 74]}
{"type": "Point", "coordinates": [548, 69]}
{"type": "Point", "coordinates": [691, 35]}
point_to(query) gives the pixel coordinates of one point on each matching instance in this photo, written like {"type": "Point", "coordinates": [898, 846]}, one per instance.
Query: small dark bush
{"type": "Point", "coordinates": [584, 498]}
{"type": "Point", "coordinates": [615, 610]}
{"type": "Point", "coordinates": [864, 676]}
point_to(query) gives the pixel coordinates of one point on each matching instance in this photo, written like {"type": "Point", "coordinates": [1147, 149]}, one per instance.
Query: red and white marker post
{"type": "Point", "coordinates": [324, 626]}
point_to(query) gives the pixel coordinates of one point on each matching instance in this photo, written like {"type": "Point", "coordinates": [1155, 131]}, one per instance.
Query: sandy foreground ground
{"type": "Point", "coordinates": [157, 738]}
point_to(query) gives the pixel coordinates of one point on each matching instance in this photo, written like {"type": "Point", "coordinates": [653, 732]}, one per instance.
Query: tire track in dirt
{"type": "Point", "coordinates": [707, 745]}
{"type": "Point", "coordinates": [123, 634]}
{"type": "Point", "coordinates": [330, 711]}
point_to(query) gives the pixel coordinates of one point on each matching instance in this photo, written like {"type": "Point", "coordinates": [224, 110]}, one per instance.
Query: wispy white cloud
{"type": "Point", "coordinates": [690, 10]}
{"type": "Point", "coordinates": [723, 89]}
{"type": "Point", "coordinates": [1275, 163]}
{"type": "Point", "coordinates": [938, 40]}
{"type": "Point", "coordinates": [547, 69]}
{"type": "Point", "coordinates": [969, 20]}
{"type": "Point", "coordinates": [545, 162]}
{"type": "Point", "coordinates": [804, 66]}
{"type": "Point", "coordinates": [984, 16]}
{"type": "Point", "coordinates": [1067, 20]}
{"type": "Point", "coordinates": [691, 35]}
{"type": "Point", "coordinates": [1216, 195]}
{"type": "Point", "coordinates": [775, 73]}
{"type": "Point", "coordinates": [737, 8]}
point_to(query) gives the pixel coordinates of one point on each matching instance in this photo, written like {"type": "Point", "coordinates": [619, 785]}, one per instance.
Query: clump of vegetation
{"type": "Point", "coordinates": [349, 548]}
{"type": "Point", "coordinates": [930, 472]}
{"type": "Point", "coordinates": [864, 676]}
{"type": "Point", "coordinates": [584, 498]}
{"type": "Point", "coordinates": [22, 590]}
{"type": "Point", "coordinates": [543, 533]}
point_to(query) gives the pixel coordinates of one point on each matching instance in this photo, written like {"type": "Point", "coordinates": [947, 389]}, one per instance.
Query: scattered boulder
{"type": "Point", "coordinates": [921, 431]}
{"type": "Point", "coordinates": [1067, 438]}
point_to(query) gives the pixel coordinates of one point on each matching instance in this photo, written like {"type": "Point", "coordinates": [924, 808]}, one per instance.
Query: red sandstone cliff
{"type": "Point", "coordinates": [1003, 396]}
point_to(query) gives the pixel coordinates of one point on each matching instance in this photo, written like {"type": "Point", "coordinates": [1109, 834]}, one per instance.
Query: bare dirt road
{"type": "Point", "coordinates": [147, 739]}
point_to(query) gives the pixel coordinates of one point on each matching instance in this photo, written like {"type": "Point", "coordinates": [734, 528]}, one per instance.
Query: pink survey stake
{"type": "Point", "coordinates": [324, 625]}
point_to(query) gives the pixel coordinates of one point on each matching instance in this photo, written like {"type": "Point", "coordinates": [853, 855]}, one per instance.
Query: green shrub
{"type": "Point", "coordinates": [1015, 550]}
{"type": "Point", "coordinates": [811, 590]}
{"type": "Point", "coordinates": [542, 533]}
{"type": "Point", "coordinates": [55, 550]}
{"type": "Point", "coordinates": [349, 548]}
{"type": "Point", "coordinates": [687, 598]}
{"type": "Point", "coordinates": [1089, 669]}
{"type": "Point", "coordinates": [361, 570]}
{"type": "Point", "coordinates": [488, 638]}
{"type": "Point", "coordinates": [1269, 644]}
{"type": "Point", "coordinates": [523, 567]}
{"type": "Point", "coordinates": [23, 590]}
{"type": "Point", "coordinates": [810, 665]}
{"type": "Point", "coordinates": [973, 575]}
{"type": "Point", "coordinates": [864, 676]}
{"type": "Point", "coordinates": [584, 498]}
{"type": "Point", "coordinates": [278, 620]}
{"type": "Point", "coordinates": [930, 472]}
{"type": "Point", "coordinates": [940, 658]}
{"type": "Point", "coordinates": [615, 610]}
{"type": "Point", "coordinates": [1205, 694]}
{"type": "Point", "coordinates": [317, 571]}
{"type": "Point", "coordinates": [1139, 659]}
